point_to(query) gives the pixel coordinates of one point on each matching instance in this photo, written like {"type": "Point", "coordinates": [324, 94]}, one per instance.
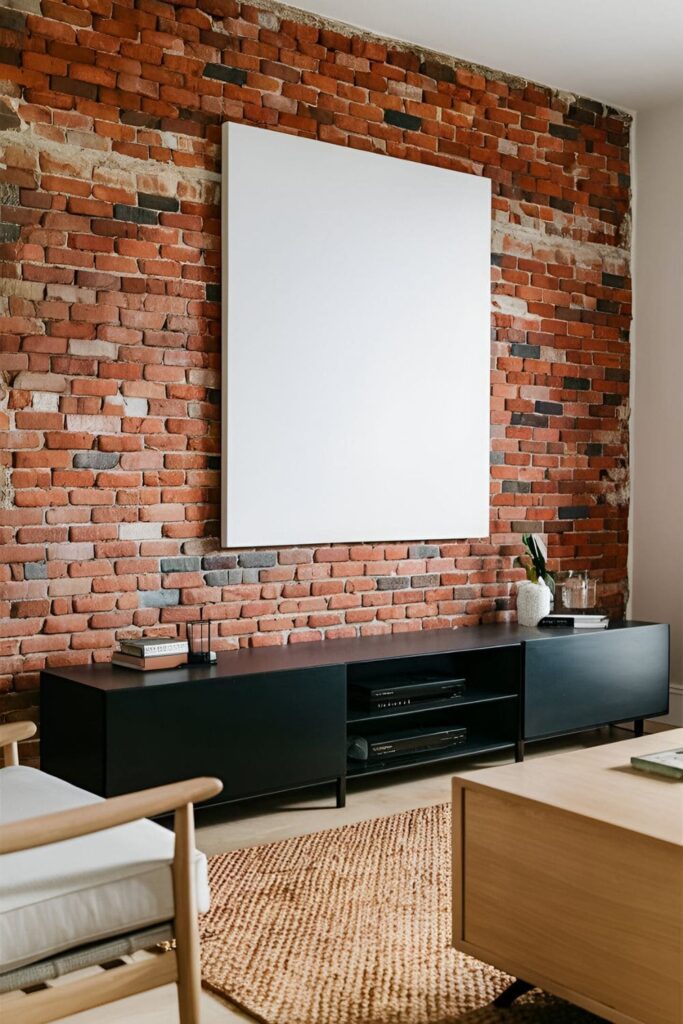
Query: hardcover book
{"type": "Point", "coordinates": [579, 621]}
{"type": "Point", "coordinates": [667, 762]}
{"type": "Point", "coordinates": [149, 664]}
{"type": "Point", "coordinates": [153, 647]}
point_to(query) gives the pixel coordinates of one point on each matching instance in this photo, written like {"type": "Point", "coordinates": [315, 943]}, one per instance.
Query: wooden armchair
{"type": "Point", "coordinates": [164, 873]}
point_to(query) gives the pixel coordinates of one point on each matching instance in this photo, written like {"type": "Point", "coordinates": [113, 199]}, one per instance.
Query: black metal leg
{"type": "Point", "coordinates": [512, 992]}
{"type": "Point", "coordinates": [638, 727]}
{"type": "Point", "coordinates": [519, 750]}
{"type": "Point", "coordinates": [341, 791]}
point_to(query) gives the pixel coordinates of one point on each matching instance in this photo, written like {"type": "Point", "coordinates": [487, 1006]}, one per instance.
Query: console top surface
{"type": "Point", "coordinates": [322, 654]}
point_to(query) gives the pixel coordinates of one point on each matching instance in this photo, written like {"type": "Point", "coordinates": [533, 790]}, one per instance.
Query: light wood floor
{"type": "Point", "coordinates": [268, 820]}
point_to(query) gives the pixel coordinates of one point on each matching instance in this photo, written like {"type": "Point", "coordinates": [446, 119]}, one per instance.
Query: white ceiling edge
{"type": "Point", "coordinates": [622, 53]}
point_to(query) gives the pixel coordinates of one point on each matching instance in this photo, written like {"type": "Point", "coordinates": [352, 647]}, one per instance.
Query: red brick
{"type": "Point", "coordinates": [142, 289]}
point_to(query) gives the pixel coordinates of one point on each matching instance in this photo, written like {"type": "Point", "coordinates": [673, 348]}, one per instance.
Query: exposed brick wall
{"type": "Point", "coordinates": [110, 121]}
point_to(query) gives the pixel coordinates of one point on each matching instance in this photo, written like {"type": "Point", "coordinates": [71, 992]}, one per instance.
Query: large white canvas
{"type": "Point", "coordinates": [356, 353]}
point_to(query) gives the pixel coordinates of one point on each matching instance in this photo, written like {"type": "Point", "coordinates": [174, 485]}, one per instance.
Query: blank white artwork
{"type": "Point", "coordinates": [356, 345]}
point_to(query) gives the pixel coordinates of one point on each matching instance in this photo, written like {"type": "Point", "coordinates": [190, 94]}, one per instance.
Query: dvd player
{"type": "Point", "coordinates": [415, 741]}
{"type": "Point", "coordinates": [404, 690]}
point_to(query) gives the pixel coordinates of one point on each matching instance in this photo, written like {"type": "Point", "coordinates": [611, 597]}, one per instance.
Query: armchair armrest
{"type": "Point", "coordinates": [10, 734]}
{"type": "Point", "coordinates": [118, 810]}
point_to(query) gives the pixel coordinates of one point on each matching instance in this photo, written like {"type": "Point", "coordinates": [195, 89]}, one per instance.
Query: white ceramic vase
{"type": "Point", "coordinates": [533, 602]}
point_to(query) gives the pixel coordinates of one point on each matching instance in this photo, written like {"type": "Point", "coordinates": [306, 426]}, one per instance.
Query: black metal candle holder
{"type": "Point", "coordinates": [199, 643]}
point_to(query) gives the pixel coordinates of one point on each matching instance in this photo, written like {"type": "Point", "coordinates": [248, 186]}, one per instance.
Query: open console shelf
{"type": "Point", "coordinates": [482, 714]}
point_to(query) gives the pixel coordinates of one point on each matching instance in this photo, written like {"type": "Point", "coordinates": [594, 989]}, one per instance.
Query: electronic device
{"type": "Point", "coordinates": [373, 695]}
{"type": "Point", "coordinates": [414, 741]}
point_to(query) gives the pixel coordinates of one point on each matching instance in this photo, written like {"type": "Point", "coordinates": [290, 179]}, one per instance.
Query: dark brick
{"type": "Point", "coordinates": [220, 577]}
{"type": "Point", "coordinates": [198, 116]}
{"type": "Point", "coordinates": [35, 570]}
{"type": "Point", "coordinates": [497, 259]}
{"type": "Point", "coordinates": [526, 526]}
{"type": "Point", "coordinates": [219, 562]}
{"type": "Point", "coordinates": [528, 419]}
{"type": "Point", "coordinates": [576, 383]}
{"type": "Point", "coordinates": [580, 115]}
{"type": "Point", "coordinates": [236, 76]}
{"type": "Point", "coordinates": [10, 56]}
{"type": "Point", "coordinates": [183, 564]}
{"type": "Point", "coordinates": [613, 280]}
{"type": "Point", "coordinates": [213, 396]}
{"type": "Point", "coordinates": [623, 376]}
{"type": "Point", "coordinates": [213, 462]}
{"type": "Point", "coordinates": [318, 114]}
{"type": "Point", "coordinates": [574, 512]}
{"type": "Point", "coordinates": [15, 21]}
{"type": "Point", "coordinates": [426, 579]}
{"type": "Point", "coordinates": [598, 199]}
{"type": "Point", "coordinates": [593, 105]}
{"type": "Point", "coordinates": [96, 460]}
{"type": "Point", "coordinates": [565, 205]}
{"type": "Point", "coordinates": [438, 71]}
{"type": "Point", "coordinates": [613, 399]}
{"type": "Point", "coordinates": [135, 214]}
{"type": "Point", "coordinates": [424, 551]}
{"type": "Point", "coordinates": [9, 232]}
{"type": "Point", "coordinates": [549, 408]}
{"type": "Point", "coordinates": [593, 448]}
{"type": "Point", "coordinates": [393, 582]}
{"type": "Point", "coordinates": [8, 119]}
{"type": "Point", "coordinates": [73, 87]}
{"type": "Point", "coordinates": [516, 487]}
{"type": "Point", "coordinates": [563, 131]}
{"type": "Point", "coordinates": [607, 306]}
{"type": "Point", "coordinates": [401, 120]}
{"type": "Point", "coordinates": [258, 559]}
{"type": "Point", "coordinates": [139, 119]}
{"type": "Point", "coordinates": [167, 203]}
{"type": "Point", "coordinates": [213, 293]}
{"type": "Point", "coordinates": [158, 598]}
{"type": "Point", "coordinates": [497, 458]}
{"type": "Point", "coordinates": [525, 351]}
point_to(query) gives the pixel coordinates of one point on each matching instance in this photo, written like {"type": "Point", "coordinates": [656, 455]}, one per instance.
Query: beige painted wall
{"type": "Point", "coordinates": [657, 391]}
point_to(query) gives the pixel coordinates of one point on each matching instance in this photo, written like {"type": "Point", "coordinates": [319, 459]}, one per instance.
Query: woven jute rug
{"type": "Point", "coordinates": [352, 926]}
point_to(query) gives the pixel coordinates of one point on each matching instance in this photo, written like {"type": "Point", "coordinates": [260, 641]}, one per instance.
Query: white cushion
{"type": "Point", "coordinates": [61, 896]}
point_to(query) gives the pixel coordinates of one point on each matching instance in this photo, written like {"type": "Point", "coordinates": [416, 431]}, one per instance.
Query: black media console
{"type": "Point", "coordinates": [278, 718]}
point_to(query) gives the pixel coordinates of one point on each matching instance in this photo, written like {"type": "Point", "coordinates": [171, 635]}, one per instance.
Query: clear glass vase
{"type": "Point", "coordinates": [577, 591]}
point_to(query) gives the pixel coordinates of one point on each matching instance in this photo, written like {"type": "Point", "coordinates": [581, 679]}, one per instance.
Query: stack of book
{"type": "Point", "coordinates": [150, 653]}
{"type": "Point", "coordinates": [575, 620]}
